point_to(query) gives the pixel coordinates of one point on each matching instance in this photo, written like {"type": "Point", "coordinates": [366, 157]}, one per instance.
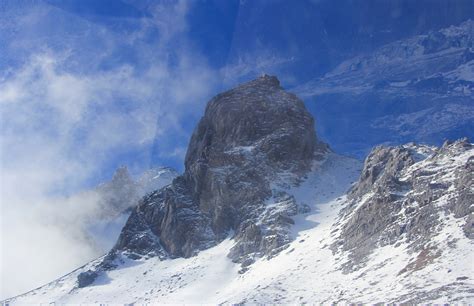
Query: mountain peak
{"type": "Point", "coordinates": [266, 79]}
{"type": "Point", "coordinates": [255, 114]}
{"type": "Point", "coordinates": [262, 84]}
{"type": "Point", "coordinates": [248, 139]}
{"type": "Point", "coordinates": [121, 174]}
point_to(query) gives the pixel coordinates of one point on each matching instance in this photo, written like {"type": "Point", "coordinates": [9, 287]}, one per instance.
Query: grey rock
{"type": "Point", "coordinates": [86, 278]}
{"type": "Point", "coordinates": [247, 137]}
{"type": "Point", "coordinates": [469, 226]}
{"type": "Point", "coordinates": [381, 168]}
{"type": "Point", "coordinates": [404, 193]}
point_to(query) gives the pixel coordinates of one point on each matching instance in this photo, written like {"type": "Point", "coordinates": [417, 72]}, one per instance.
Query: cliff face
{"type": "Point", "coordinates": [247, 139]}
{"type": "Point", "coordinates": [409, 194]}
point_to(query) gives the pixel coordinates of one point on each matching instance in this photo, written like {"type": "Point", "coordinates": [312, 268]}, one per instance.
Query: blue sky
{"type": "Point", "coordinates": [182, 53]}
{"type": "Point", "coordinates": [88, 85]}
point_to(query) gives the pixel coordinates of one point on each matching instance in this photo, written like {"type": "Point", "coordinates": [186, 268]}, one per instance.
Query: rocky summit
{"type": "Point", "coordinates": [248, 137]}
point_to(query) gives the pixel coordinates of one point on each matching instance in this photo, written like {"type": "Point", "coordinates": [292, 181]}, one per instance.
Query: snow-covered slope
{"type": "Point", "coordinates": [310, 269]}
{"type": "Point", "coordinates": [265, 213]}
{"type": "Point", "coordinates": [211, 276]}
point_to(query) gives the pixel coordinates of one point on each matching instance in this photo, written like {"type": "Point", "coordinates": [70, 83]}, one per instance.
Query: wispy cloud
{"type": "Point", "coordinates": [75, 97]}
{"type": "Point", "coordinates": [62, 124]}
{"type": "Point", "coordinates": [250, 65]}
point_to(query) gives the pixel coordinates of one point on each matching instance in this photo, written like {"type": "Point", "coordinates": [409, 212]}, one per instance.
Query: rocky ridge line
{"type": "Point", "coordinates": [406, 194]}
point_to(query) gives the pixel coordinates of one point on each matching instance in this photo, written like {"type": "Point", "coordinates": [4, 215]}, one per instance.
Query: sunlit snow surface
{"type": "Point", "coordinates": [307, 271]}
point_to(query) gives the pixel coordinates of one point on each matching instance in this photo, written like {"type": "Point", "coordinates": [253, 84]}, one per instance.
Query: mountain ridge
{"type": "Point", "coordinates": [392, 273]}
{"type": "Point", "coordinates": [265, 209]}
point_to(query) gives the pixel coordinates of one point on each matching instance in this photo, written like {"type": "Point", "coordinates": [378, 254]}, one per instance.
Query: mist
{"type": "Point", "coordinates": [67, 122]}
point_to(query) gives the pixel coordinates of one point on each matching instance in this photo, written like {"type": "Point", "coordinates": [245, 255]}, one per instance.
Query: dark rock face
{"type": "Point", "coordinates": [405, 193]}
{"type": "Point", "coordinates": [247, 137]}
{"type": "Point", "coordinates": [86, 278]}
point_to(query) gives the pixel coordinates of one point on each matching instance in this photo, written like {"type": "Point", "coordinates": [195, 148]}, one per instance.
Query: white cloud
{"type": "Point", "coordinates": [61, 125]}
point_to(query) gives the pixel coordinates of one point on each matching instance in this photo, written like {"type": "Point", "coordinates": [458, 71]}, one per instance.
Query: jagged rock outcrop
{"type": "Point", "coordinates": [118, 194]}
{"type": "Point", "coordinates": [405, 194]}
{"type": "Point", "coordinates": [110, 204]}
{"type": "Point", "coordinates": [248, 137]}
{"type": "Point", "coordinates": [123, 192]}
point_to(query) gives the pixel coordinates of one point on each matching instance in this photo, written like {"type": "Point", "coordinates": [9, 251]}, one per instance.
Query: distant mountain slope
{"type": "Point", "coordinates": [115, 199]}
{"type": "Point", "coordinates": [417, 89]}
{"type": "Point", "coordinates": [123, 191]}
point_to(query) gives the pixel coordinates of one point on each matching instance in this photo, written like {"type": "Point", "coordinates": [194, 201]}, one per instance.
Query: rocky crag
{"type": "Point", "coordinates": [409, 194]}
{"type": "Point", "coordinates": [250, 140]}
